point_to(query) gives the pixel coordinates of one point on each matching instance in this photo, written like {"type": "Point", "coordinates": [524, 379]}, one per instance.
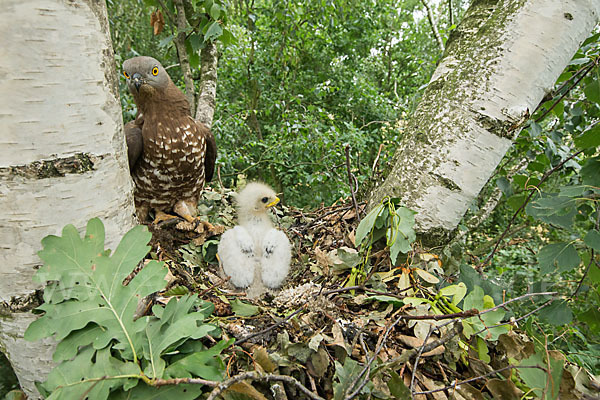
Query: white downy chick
{"type": "Point", "coordinates": [254, 243]}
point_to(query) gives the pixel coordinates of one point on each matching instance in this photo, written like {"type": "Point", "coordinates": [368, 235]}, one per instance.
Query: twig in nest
{"type": "Point", "coordinates": [456, 384]}
{"type": "Point", "coordinates": [283, 321]}
{"type": "Point", "coordinates": [222, 281]}
{"type": "Point", "coordinates": [416, 365]}
{"type": "Point", "coordinates": [255, 376]}
{"type": "Point", "coordinates": [353, 182]}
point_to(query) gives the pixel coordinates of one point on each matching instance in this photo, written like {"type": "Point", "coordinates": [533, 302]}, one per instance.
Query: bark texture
{"type": "Point", "coordinates": [209, 59]}
{"type": "Point", "coordinates": [62, 150]}
{"type": "Point", "coordinates": [498, 65]}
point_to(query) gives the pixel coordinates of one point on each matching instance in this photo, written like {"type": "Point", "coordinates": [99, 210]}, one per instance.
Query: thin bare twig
{"type": "Point", "coordinates": [352, 181]}
{"type": "Point", "coordinates": [516, 320]}
{"type": "Point", "coordinates": [414, 370]}
{"type": "Point", "coordinates": [525, 202]}
{"type": "Point", "coordinates": [179, 381]}
{"type": "Point", "coordinates": [456, 384]}
{"type": "Point", "coordinates": [587, 70]}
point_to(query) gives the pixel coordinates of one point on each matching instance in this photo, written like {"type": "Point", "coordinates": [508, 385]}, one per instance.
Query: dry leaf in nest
{"type": "Point", "coordinates": [157, 22]}
{"type": "Point", "coordinates": [351, 213]}
{"type": "Point", "coordinates": [246, 390]}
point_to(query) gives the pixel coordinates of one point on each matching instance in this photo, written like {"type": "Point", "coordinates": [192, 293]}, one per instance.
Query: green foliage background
{"type": "Point", "coordinates": [299, 82]}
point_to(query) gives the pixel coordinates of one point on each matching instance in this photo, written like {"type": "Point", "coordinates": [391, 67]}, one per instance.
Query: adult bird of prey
{"type": "Point", "coordinates": [171, 155]}
{"type": "Point", "coordinates": [254, 243]}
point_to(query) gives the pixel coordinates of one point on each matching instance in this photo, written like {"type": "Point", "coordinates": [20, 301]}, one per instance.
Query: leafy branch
{"type": "Point", "coordinates": [102, 349]}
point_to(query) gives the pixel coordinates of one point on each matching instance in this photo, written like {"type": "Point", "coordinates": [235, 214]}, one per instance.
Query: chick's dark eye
{"type": "Point", "coordinates": [264, 200]}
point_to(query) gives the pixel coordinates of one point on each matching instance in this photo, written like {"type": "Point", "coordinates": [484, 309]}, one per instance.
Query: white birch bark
{"type": "Point", "coordinates": [62, 151]}
{"type": "Point", "coordinates": [207, 95]}
{"type": "Point", "coordinates": [498, 65]}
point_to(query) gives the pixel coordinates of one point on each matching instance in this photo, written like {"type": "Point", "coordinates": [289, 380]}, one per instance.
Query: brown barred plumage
{"type": "Point", "coordinates": [178, 153]}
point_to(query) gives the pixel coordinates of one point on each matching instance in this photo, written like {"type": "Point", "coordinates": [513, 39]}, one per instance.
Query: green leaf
{"type": "Point", "coordinates": [592, 239]}
{"type": "Point", "coordinates": [457, 292]}
{"type": "Point", "coordinates": [403, 232]}
{"type": "Point", "coordinates": [213, 31]}
{"type": "Point", "coordinates": [590, 172]}
{"type": "Point", "coordinates": [472, 279]}
{"type": "Point", "coordinates": [145, 392]}
{"type": "Point", "coordinates": [67, 348]}
{"type": "Point", "coordinates": [558, 257]}
{"type": "Point", "coordinates": [344, 376]}
{"type": "Point", "coordinates": [90, 287]}
{"type": "Point", "coordinates": [202, 364]}
{"type": "Point", "coordinates": [553, 209]}
{"type": "Point", "coordinates": [505, 186]}
{"type": "Point", "coordinates": [589, 138]}
{"type": "Point", "coordinates": [174, 324]}
{"type": "Point", "coordinates": [215, 11]}
{"type": "Point", "coordinates": [543, 385]}
{"type": "Point", "coordinates": [557, 313]}
{"type": "Point", "coordinates": [476, 299]}
{"type": "Point", "coordinates": [243, 309]}
{"type": "Point", "coordinates": [397, 387]}
{"type": "Point", "coordinates": [65, 381]}
{"type": "Point", "coordinates": [366, 225]}
{"type": "Point", "coordinates": [591, 317]}
{"type": "Point", "coordinates": [534, 378]}
{"type": "Point", "coordinates": [164, 42]}
{"type": "Point", "coordinates": [482, 350]}
{"type": "Point", "coordinates": [535, 129]}
{"type": "Point", "coordinates": [592, 91]}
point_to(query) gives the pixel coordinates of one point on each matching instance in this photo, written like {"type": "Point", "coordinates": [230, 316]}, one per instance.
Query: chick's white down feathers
{"type": "Point", "coordinates": [254, 242]}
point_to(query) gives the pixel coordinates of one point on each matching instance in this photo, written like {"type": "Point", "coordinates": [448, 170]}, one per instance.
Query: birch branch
{"type": "Point", "coordinates": [434, 28]}
{"type": "Point", "coordinates": [184, 60]}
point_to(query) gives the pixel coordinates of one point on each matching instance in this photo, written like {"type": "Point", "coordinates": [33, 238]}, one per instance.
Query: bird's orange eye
{"type": "Point", "coordinates": [155, 71]}
{"type": "Point", "coordinates": [125, 74]}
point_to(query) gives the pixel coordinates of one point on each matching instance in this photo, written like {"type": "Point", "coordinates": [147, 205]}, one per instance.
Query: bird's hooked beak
{"type": "Point", "coordinates": [137, 81]}
{"type": "Point", "coordinates": [271, 204]}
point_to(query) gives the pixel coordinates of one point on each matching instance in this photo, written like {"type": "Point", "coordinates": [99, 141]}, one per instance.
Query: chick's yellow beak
{"type": "Point", "coordinates": [271, 204]}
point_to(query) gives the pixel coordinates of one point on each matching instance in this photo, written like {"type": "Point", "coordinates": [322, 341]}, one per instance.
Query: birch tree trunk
{"type": "Point", "coordinates": [498, 65]}
{"type": "Point", "coordinates": [62, 152]}
{"type": "Point", "coordinates": [207, 96]}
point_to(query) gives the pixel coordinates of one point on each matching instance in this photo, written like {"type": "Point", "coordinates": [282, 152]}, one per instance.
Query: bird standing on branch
{"type": "Point", "coordinates": [171, 155]}
{"type": "Point", "coordinates": [254, 243]}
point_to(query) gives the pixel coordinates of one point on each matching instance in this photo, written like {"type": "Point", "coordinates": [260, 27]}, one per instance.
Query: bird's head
{"type": "Point", "coordinates": [255, 199]}
{"type": "Point", "coordinates": [145, 75]}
